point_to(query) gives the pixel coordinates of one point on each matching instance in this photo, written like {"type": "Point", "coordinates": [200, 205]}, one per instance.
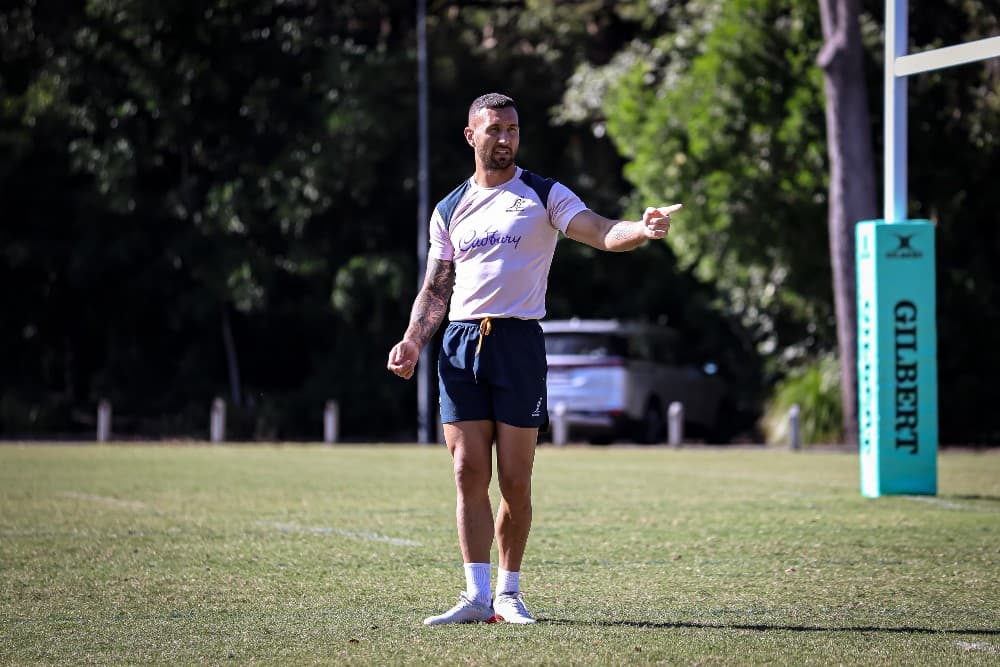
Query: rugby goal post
{"type": "Point", "coordinates": [897, 329]}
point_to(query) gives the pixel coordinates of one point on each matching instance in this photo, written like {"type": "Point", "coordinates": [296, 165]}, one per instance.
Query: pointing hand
{"type": "Point", "coordinates": [657, 220]}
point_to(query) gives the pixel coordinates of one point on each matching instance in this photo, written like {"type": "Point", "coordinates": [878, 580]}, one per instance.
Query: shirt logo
{"type": "Point", "coordinates": [490, 239]}
{"type": "Point", "coordinates": [519, 205]}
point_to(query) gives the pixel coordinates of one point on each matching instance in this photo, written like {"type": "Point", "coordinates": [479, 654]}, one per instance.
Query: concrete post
{"type": "Point", "coordinates": [331, 422]}
{"type": "Point", "coordinates": [793, 426]}
{"type": "Point", "coordinates": [218, 423]}
{"type": "Point", "coordinates": [104, 421]}
{"type": "Point", "coordinates": [560, 424]}
{"type": "Point", "coordinates": [675, 424]}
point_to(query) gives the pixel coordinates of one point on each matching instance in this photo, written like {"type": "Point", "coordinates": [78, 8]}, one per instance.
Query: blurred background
{"type": "Point", "coordinates": [220, 198]}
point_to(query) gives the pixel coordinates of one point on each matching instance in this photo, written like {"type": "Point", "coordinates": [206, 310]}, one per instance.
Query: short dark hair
{"type": "Point", "coordinates": [490, 101]}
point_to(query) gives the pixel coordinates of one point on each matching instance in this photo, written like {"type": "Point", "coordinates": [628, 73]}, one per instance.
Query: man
{"type": "Point", "coordinates": [491, 245]}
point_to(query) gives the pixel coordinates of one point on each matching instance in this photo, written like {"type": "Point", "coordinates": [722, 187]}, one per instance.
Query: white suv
{"type": "Point", "coordinates": [618, 379]}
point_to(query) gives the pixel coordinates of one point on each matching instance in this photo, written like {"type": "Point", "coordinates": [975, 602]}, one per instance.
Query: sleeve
{"type": "Point", "coordinates": [563, 206]}
{"type": "Point", "coordinates": [441, 247]}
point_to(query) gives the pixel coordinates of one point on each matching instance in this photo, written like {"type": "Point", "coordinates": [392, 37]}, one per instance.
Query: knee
{"type": "Point", "coordinates": [516, 490]}
{"type": "Point", "coordinates": [471, 478]}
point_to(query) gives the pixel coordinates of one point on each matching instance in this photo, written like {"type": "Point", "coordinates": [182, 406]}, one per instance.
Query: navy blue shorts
{"type": "Point", "coordinates": [504, 381]}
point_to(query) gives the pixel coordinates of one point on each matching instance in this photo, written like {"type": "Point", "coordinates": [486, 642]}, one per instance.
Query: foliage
{"type": "Point", "coordinates": [815, 389]}
{"type": "Point", "coordinates": [219, 199]}
{"type": "Point", "coordinates": [215, 162]}
{"type": "Point", "coordinates": [954, 166]}
{"type": "Point", "coordinates": [726, 115]}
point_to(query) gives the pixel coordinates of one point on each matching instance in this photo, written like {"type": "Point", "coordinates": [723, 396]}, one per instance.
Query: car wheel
{"type": "Point", "coordinates": [653, 427]}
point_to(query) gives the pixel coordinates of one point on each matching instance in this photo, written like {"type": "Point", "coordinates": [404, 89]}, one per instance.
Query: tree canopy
{"type": "Point", "coordinates": [219, 198]}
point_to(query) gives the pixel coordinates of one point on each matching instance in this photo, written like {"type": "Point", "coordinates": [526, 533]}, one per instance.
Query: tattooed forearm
{"type": "Point", "coordinates": [624, 235]}
{"type": "Point", "coordinates": [431, 304]}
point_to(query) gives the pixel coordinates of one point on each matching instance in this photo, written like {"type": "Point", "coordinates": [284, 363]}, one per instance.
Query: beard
{"type": "Point", "coordinates": [494, 162]}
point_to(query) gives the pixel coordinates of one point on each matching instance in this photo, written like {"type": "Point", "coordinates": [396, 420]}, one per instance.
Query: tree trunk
{"type": "Point", "coordinates": [852, 181]}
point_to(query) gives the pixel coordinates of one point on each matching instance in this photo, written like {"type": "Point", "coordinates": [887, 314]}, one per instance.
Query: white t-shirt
{"type": "Point", "coordinates": [501, 240]}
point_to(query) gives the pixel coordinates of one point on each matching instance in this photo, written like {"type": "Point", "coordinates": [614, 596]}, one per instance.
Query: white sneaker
{"type": "Point", "coordinates": [510, 607]}
{"type": "Point", "coordinates": [466, 611]}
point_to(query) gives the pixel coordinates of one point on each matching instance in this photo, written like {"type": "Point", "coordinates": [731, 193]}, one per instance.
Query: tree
{"type": "Point", "coordinates": [954, 166]}
{"type": "Point", "coordinates": [168, 168]}
{"type": "Point", "coordinates": [851, 181]}
{"type": "Point", "coordinates": [215, 163]}
{"type": "Point", "coordinates": [236, 195]}
{"type": "Point", "coordinates": [724, 113]}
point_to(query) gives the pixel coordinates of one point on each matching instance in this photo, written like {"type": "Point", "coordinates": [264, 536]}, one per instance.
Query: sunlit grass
{"type": "Point", "coordinates": [334, 555]}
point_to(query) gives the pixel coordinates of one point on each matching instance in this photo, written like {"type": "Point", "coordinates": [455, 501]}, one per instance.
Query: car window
{"type": "Point", "coordinates": [586, 344]}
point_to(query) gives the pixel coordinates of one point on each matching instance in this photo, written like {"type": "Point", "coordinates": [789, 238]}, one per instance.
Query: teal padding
{"type": "Point", "coordinates": [897, 357]}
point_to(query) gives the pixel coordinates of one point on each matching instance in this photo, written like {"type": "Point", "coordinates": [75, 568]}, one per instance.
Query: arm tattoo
{"type": "Point", "coordinates": [624, 235]}
{"type": "Point", "coordinates": [431, 304]}
{"type": "Point", "coordinates": [620, 233]}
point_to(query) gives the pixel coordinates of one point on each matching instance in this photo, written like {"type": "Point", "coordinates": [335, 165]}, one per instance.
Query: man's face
{"type": "Point", "coordinates": [494, 134]}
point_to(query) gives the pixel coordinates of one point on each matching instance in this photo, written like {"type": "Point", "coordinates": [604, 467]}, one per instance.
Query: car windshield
{"type": "Point", "coordinates": [586, 344]}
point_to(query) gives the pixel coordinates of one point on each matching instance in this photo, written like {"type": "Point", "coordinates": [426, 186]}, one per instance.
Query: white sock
{"type": "Point", "coordinates": [508, 582]}
{"type": "Point", "coordinates": [477, 582]}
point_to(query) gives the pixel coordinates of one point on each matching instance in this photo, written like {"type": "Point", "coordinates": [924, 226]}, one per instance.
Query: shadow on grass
{"type": "Point", "coordinates": [975, 496]}
{"type": "Point", "coordinates": [765, 627]}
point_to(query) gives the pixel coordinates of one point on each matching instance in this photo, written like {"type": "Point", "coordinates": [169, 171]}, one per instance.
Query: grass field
{"type": "Point", "coordinates": [333, 555]}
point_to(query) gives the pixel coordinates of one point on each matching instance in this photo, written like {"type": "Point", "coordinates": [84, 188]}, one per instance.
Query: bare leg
{"type": "Point", "coordinates": [515, 460]}
{"type": "Point", "coordinates": [471, 447]}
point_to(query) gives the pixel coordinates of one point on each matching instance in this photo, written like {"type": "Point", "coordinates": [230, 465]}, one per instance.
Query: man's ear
{"type": "Point", "coordinates": [469, 133]}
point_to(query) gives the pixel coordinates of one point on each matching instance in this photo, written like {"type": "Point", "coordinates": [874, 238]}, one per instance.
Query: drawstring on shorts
{"type": "Point", "coordinates": [485, 327]}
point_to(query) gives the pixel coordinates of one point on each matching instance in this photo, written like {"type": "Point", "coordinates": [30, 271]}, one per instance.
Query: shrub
{"type": "Point", "coordinates": [815, 387]}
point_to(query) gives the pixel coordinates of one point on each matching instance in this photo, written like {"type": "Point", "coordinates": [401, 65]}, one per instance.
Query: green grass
{"type": "Point", "coordinates": [292, 555]}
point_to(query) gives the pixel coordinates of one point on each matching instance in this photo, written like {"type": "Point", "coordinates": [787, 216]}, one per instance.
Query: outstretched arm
{"type": "Point", "coordinates": [429, 310]}
{"type": "Point", "coordinates": [620, 235]}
